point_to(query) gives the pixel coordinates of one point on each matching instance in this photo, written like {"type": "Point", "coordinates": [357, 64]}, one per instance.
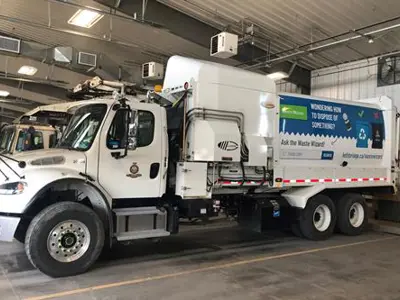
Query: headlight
{"type": "Point", "coordinates": [12, 188]}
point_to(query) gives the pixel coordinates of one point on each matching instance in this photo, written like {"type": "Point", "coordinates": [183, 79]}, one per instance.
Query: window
{"type": "Point", "coordinates": [6, 138]}
{"type": "Point", "coordinates": [388, 70]}
{"type": "Point", "coordinates": [116, 137]}
{"type": "Point", "coordinates": [30, 140]}
{"type": "Point", "coordinates": [145, 132]}
{"type": "Point", "coordinates": [53, 140]}
{"type": "Point", "coordinates": [83, 127]}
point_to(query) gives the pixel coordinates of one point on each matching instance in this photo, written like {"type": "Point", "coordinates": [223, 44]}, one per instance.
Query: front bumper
{"type": "Point", "coordinates": [8, 226]}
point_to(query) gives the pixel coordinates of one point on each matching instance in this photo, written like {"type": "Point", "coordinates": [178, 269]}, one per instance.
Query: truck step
{"type": "Point", "coordinates": [132, 211]}
{"type": "Point", "coordinates": [142, 234]}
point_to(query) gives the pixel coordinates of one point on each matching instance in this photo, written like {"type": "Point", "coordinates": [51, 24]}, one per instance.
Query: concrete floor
{"type": "Point", "coordinates": [225, 263]}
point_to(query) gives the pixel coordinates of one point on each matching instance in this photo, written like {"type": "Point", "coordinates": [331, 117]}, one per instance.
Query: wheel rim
{"type": "Point", "coordinates": [68, 241]}
{"type": "Point", "coordinates": [322, 217]}
{"type": "Point", "coordinates": [356, 214]}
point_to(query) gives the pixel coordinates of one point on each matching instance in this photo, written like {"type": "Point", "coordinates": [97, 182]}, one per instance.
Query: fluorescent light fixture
{"type": "Point", "coordinates": [27, 70]}
{"type": "Point", "coordinates": [278, 75]}
{"type": "Point", "coordinates": [85, 18]}
{"type": "Point", "coordinates": [4, 94]}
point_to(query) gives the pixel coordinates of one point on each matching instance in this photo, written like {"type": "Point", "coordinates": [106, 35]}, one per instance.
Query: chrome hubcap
{"type": "Point", "coordinates": [68, 241]}
{"type": "Point", "coordinates": [356, 214]}
{"type": "Point", "coordinates": [322, 217]}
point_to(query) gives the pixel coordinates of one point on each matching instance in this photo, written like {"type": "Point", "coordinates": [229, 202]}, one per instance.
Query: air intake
{"type": "Point", "coordinates": [87, 59]}
{"type": "Point", "coordinates": [10, 44]}
{"type": "Point", "coordinates": [145, 70]}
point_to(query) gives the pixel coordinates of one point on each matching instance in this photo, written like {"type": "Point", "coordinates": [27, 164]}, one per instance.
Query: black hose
{"type": "Point", "coordinates": [243, 174]}
{"type": "Point", "coordinates": [264, 177]}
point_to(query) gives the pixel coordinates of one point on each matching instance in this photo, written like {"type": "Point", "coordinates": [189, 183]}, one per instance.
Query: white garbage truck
{"type": "Point", "coordinates": [128, 169]}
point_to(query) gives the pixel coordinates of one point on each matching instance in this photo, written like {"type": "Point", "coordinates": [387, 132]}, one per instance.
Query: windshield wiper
{"type": "Point", "coordinates": [5, 176]}
{"type": "Point", "coordinates": [67, 147]}
{"type": "Point", "coordinates": [21, 164]}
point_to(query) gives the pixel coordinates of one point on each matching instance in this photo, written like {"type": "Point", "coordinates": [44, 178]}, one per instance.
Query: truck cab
{"type": "Point", "coordinates": [18, 138]}
{"type": "Point", "coordinates": [99, 131]}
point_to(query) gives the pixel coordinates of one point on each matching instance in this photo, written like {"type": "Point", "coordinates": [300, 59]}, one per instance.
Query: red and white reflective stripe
{"type": "Point", "coordinates": [235, 183]}
{"type": "Point", "coordinates": [328, 180]}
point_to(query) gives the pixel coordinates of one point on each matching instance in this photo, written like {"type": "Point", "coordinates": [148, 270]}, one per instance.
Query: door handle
{"type": "Point", "coordinates": [154, 169]}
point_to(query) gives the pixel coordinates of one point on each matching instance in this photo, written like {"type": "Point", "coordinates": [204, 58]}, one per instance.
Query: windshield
{"type": "Point", "coordinates": [6, 139]}
{"type": "Point", "coordinates": [82, 129]}
{"type": "Point", "coordinates": [29, 139]}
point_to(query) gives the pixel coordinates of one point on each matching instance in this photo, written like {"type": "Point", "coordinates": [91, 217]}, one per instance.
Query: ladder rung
{"type": "Point", "coordinates": [149, 210]}
{"type": "Point", "coordinates": [142, 234]}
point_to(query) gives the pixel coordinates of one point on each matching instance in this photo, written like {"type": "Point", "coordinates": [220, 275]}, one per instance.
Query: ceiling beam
{"type": "Point", "coordinates": [9, 114]}
{"type": "Point", "coordinates": [30, 96]}
{"type": "Point", "coordinates": [16, 108]}
{"type": "Point", "coordinates": [200, 33]}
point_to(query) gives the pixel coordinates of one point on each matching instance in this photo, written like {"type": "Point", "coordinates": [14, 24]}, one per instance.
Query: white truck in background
{"type": "Point", "coordinates": [15, 138]}
{"type": "Point", "coordinates": [127, 169]}
{"type": "Point", "coordinates": [37, 129]}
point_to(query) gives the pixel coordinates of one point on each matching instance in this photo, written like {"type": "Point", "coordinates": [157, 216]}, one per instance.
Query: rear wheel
{"type": "Point", "coordinates": [318, 218]}
{"type": "Point", "coordinates": [64, 239]}
{"type": "Point", "coordinates": [352, 214]}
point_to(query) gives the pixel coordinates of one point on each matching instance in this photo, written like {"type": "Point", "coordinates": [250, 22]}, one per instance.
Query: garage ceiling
{"type": "Point", "coordinates": [120, 40]}
{"type": "Point", "coordinates": [292, 23]}
{"type": "Point", "coordinates": [122, 45]}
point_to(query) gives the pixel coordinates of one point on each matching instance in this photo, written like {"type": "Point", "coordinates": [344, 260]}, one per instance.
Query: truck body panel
{"type": "Point", "coordinates": [335, 143]}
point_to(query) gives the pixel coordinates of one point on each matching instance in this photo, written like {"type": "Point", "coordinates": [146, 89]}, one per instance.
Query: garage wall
{"type": "Point", "coordinates": [351, 81]}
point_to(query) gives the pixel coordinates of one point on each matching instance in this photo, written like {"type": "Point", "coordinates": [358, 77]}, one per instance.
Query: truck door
{"type": "Point", "coordinates": [138, 175]}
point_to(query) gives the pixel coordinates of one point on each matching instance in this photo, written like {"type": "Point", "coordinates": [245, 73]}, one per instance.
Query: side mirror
{"type": "Point", "coordinates": [132, 130]}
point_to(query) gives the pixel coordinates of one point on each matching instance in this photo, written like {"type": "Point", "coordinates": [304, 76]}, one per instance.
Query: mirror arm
{"type": "Point", "coordinates": [126, 136]}
{"type": "Point", "coordinates": [126, 139]}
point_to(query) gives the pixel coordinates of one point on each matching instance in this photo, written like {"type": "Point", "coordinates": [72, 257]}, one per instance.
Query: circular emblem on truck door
{"type": "Point", "coordinates": [133, 171]}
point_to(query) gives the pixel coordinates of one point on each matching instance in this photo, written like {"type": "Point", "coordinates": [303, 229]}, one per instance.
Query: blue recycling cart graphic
{"type": "Point", "coordinates": [362, 134]}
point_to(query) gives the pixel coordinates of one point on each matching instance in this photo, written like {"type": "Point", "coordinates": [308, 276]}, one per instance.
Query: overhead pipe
{"type": "Point", "coordinates": [357, 67]}
{"type": "Point", "coordinates": [292, 68]}
{"type": "Point", "coordinates": [334, 43]}
{"type": "Point", "coordinates": [339, 35]}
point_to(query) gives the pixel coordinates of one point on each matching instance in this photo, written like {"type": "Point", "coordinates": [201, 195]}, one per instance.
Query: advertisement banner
{"type": "Point", "coordinates": [326, 130]}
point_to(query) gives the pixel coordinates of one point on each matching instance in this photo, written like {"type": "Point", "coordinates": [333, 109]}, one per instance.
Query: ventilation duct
{"type": "Point", "coordinates": [10, 44]}
{"type": "Point", "coordinates": [74, 57]}
{"type": "Point", "coordinates": [87, 59]}
{"type": "Point", "coordinates": [90, 64]}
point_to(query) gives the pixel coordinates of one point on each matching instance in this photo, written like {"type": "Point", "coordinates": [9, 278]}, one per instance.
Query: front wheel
{"type": "Point", "coordinates": [64, 239]}
{"type": "Point", "coordinates": [318, 218]}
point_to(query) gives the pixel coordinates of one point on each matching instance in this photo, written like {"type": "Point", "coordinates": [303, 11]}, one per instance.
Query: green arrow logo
{"type": "Point", "coordinates": [295, 112]}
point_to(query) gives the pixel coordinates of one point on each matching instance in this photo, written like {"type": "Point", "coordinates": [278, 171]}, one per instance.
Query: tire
{"type": "Point", "coordinates": [295, 227]}
{"type": "Point", "coordinates": [352, 215]}
{"type": "Point", "coordinates": [317, 220]}
{"type": "Point", "coordinates": [56, 250]}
